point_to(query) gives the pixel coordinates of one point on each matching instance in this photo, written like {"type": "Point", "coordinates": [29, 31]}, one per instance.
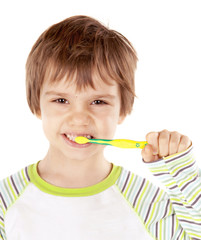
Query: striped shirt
{"type": "Point", "coordinates": [123, 206]}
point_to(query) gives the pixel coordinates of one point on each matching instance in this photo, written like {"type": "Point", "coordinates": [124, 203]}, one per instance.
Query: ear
{"type": "Point", "coordinates": [38, 115]}
{"type": "Point", "coordinates": [121, 119]}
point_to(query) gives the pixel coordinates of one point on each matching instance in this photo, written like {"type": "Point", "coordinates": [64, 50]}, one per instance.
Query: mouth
{"type": "Point", "coordinates": [70, 139]}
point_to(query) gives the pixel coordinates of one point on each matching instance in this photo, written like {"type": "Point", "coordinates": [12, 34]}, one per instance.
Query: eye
{"type": "Point", "coordinates": [61, 100]}
{"type": "Point", "coordinates": [98, 102]}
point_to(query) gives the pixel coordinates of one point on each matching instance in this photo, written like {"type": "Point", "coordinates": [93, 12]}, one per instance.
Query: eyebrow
{"type": "Point", "coordinates": [66, 94]}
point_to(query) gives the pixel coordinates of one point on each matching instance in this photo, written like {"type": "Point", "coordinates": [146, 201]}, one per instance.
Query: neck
{"type": "Point", "coordinates": [61, 171]}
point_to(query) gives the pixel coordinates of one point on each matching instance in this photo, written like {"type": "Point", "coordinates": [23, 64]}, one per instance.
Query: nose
{"type": "Point", "coordinates": [79, 118]}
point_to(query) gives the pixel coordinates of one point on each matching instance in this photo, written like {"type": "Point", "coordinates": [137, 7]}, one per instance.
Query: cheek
{"type": "Point", "coordinates": [50, 123]}
{"type": "Point", "coordinates": [107, 124]}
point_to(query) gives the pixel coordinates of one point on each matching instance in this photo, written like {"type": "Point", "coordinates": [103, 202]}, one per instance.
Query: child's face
{"type": "Point", "coordinates": [65, 111]}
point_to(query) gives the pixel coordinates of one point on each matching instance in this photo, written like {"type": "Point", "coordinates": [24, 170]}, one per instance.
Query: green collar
{"type": "Point", "coordinates": [73, 192]}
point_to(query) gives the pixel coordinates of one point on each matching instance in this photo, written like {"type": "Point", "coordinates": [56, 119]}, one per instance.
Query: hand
{"type": "Point", "coordinates": [163, 144]}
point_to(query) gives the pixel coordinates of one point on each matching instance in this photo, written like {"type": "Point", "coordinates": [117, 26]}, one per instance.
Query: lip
{"type": "Point", "coordinates": [74, 144]}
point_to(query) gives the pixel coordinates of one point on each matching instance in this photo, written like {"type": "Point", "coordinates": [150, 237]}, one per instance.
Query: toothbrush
{"type": "Point", "coordinates": [121, 143]}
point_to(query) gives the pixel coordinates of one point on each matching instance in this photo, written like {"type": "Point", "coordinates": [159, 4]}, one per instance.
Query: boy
{"type": "Point", "coordinates": [80, 81]}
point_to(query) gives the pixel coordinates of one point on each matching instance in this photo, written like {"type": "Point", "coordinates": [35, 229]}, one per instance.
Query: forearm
{"type": "Point", "coordinates": [180, 175]}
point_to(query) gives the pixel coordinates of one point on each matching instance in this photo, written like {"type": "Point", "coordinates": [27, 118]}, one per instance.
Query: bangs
{"type": "Point", "coordinates": [79, 72]}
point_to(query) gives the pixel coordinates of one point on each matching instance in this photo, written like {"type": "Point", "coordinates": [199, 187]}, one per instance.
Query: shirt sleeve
{"type": "Point", "coordinates": [2, 231]}
{"type": "Point", "coordinates": [181, 176]}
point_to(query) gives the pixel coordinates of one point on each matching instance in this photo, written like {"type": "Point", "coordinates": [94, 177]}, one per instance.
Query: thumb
{"type": "Point", "coordinates": [148, 155]}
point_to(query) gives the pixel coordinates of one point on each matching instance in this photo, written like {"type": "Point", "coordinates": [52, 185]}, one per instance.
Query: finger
{"type": "Point", "coordinates": [174, 142]}
{"type": "Point", "coordinates": [185, 143]}
{"type": "Point", "coordinates": [152, 139]}
{"type": "Point", "coordinates": [147, 154]}
{"type": "Point", "coordinates": [163, 141]}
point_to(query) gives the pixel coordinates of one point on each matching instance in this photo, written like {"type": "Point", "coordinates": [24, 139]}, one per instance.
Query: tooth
{"type": "Point", "coordinates": [69, 136]}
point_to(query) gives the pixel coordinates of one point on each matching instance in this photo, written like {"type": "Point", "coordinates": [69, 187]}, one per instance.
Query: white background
{"type": "Point", "coordinates": [167, 38]}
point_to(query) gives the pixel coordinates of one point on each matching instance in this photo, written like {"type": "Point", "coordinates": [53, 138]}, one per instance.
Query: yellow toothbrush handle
{"type": "Point", "coordinates": [126, 143]}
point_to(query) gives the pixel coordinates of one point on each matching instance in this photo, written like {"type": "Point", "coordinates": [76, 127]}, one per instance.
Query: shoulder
{"type": "Point", "coordinates": [128, 179]}
{"type": "Point", "coordinates": [137, 189]}
{"type": "Point", "coordinates": [12, 187]}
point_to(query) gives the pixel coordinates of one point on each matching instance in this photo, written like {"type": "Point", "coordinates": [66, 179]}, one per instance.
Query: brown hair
{"type": "Point", "coordinates": [81, 45]}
